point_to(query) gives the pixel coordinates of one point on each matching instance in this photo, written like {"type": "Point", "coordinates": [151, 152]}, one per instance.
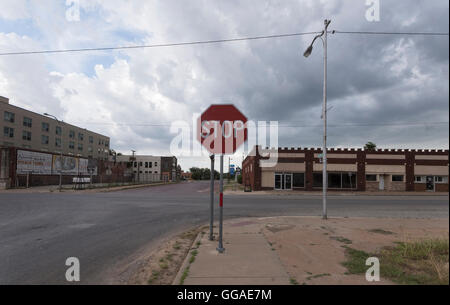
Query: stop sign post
{"type": "Point", "coordinates": [221, 129]}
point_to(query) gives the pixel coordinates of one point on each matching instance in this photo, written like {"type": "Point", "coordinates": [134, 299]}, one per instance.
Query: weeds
{"type": "Point", "coordinates": [424, 262]}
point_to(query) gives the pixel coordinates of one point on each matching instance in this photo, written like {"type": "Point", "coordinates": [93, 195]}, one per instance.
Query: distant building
{"type": "Point", "coordinates": [186, 175]}
{"type": "Point", "coordinates": [151, 168]}
{"type": "Point", "coordinates": [348, 169]}
{"type": "Point", "coordinates": [169, 169]}
{"type": "Point", "coordinates": [22, 128]}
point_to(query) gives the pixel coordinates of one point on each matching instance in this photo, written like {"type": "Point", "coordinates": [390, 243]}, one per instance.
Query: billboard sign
{"type": "Point", "coordinates": [34, 162]}
{"type": "Point", "coordinates": [71, 165]}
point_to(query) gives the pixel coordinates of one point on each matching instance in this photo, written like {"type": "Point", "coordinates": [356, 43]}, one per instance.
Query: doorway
{"type": "Point", "coordinates": [381, 185]}
{"type": "Point", "coordinates": [283, 181]}
{"type": "Point", "coordinates": [430, 183]}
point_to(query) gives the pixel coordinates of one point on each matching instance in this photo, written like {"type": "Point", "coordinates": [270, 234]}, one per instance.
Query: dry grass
{"type": "Point", "coordinates": [423, 262]}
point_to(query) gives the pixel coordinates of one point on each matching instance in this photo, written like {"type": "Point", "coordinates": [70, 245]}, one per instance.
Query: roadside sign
{"type": "Point", "coordinates": [231, 169]}
{"type": "Point", "coordinates": [222, 128]}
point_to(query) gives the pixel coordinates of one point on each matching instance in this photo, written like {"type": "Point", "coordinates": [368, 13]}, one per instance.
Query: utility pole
{"type": "Point", "coordinates": [324, 172]}
{"type": "Point", "coordinates": [133, 158]}
{"type": "Point", "coordinates": [61, 151]}
{"type": "Point", "coordinates": [211, 202]}
{"type": "Point", "coordinates": [220, 248]}
{"type": "Point", "coordinates": [324, 113]}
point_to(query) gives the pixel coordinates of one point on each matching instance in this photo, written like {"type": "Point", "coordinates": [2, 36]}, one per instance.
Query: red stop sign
{"type": "Point", "coordinates": [222, 129]}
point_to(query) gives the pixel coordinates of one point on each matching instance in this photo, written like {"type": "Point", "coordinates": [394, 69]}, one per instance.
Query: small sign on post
{"type": "Point", "coordinates": [221, 129]}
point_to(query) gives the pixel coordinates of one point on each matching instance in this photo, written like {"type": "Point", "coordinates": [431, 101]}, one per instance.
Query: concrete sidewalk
{"type": "Point", "coordinates": [248, 259]}
{"type": "Point", "coordinates": [333, 193]}
{"type": "Point", "coordinates": [296, 250]}
{"type": "Point", "coordinates": [96, 187]}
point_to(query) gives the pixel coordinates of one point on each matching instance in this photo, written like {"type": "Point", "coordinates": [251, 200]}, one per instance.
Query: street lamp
{"type": "Point", "coordinates": [61, 151]}
{"type": "Point", "coordinates": [324, 113]}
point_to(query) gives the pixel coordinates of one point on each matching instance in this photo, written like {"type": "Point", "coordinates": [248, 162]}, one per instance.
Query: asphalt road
{"type": "Point", "coordinates": [38, 231]}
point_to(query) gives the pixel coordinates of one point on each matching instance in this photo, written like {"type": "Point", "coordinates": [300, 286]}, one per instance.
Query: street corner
{"type": "Point", "coordinates": [246, 260]}
{"type": "Point", "coordinates": [315, 251]}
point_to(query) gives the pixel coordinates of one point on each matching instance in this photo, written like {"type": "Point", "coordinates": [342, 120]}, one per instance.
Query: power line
{"type": "Point", "coordinates": [216, 41]}
{"type": "Point", "coordinates": [391, 33]}
{"type": "Point", "coordinates": [281, 125]}
{"type": "Point", "coordinates": [157, 45]}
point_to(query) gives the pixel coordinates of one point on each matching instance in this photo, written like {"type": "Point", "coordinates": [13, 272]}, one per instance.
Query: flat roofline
{"type": "Point", "coordinates": [49, 118]}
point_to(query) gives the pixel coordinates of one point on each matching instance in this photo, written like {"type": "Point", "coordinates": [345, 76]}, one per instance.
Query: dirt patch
{"type": "Point", "coordinates": [162, 265]}
{"type": "Point", "coordinates": [312, 250]}
{"type": "Point", "coordinates": [278, 227]}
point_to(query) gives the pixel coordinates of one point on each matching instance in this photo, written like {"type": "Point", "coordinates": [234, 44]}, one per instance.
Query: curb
{"type": "Point", "coordinates": [107, 190]}
{"type": "Point", "coordinates": [86, 190]}
{"type": "Point", "coordinates": [412, 194]}
{"type": "Point", "coordinates": [186, 263]}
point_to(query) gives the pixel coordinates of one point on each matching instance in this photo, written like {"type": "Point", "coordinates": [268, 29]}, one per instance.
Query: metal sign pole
{"type": "Point", "coordinates": [220, 247]}
{"type": "Point", "coordinates": [211, 206]}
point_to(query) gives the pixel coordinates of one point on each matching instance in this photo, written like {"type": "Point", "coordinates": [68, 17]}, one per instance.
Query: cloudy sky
{"type": "Point", "coordinates": [392, 90]}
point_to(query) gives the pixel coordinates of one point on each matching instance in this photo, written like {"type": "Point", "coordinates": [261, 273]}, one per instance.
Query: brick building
{"type": "Point", "coordinates": [21, 167]}
{"type": "Point", "coordinates": [348, 169]}
{"type": "Point", "coordinates": [29, 130]}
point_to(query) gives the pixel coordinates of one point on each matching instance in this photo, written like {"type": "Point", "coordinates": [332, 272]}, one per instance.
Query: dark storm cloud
{"type": "Point", "coordinates": [377, 80]}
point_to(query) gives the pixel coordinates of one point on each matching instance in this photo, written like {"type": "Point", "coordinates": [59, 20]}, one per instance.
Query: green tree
{"type": "Point", "coordinates": [370, 146]}
{"type": "Point", "coordinates": [239, 179]}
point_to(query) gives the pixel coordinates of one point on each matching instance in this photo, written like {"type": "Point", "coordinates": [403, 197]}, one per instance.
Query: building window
{"type": "Point", "coordinates": [150, 164]}
{"type": "Point", "coordinates": [418, 179]}
{"type": "Point", "coordinates": [317, 179]}
{"type": "Point", "coordinates": [27, 122]}
{"type": "Point", "coordinates": [80, 147]}
{"type": "Point", "coordinates": [26, 135]}
{"type": "Point", "coordinates": [334, 180]}
{"type": "Point", "coordinates": [71, 145]}
{"type": "Point", "coordinates": [156, 164]}
{"type": "Point", "coordinates": [9, 116]}
{"type": "Point", "coordinates": [140, 164]}
{"type": "Point", "coordinates": [90, 149]}
{"type": "Point", "coordinates": [58, 130]}
{"type": "Point", "coordinates": [441, 179]}
{"type": "Point", "coordinates": [372, 178]}
{"type": "Point", "coordinates": [348, 180]}
{"type": "Point", "coordinates": [146, 164]}
{"type": "Point", "coordinates": [80, 136]}
{"type": "Point", "coordinates": [8, 132]}
{"type": "Point", "coordinates": [58, 142]}
{"type": "Point", "coordinates": [299, 180]}
{"type": "Point", "coordinates": [71, 134]}
{"type": "Point", "coordinates": [45, 126]}
{"type": "Point", "coordinates": [44, 139]}
{"type": "Point", "coordinates": [397, 178]}
{"type": "Point", "coordinates": [91, 139]}
{"type": "Point", "coordinates": [156, 172]}
{"type": "Point", "coordinates": [345, 180]}
{"type": "Point", "coordinates": [107, 144]}
{"type": "Point", "coordinates": [135, 164]}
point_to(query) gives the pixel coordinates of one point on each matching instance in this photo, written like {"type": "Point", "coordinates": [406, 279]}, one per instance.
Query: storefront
{"type": "Point", "coordinates": [348, 170]}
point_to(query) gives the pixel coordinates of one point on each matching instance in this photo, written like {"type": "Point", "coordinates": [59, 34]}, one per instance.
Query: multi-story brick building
{"type": "Point", "coordinates": [22, 128]}
{"type": "Point", "coordinates": [169, 169]}
{"type": "Point", "coordinates": [348, 169]}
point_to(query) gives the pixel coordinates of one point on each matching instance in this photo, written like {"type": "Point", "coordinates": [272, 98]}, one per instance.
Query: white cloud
{"type": "Point", "coordinates": [127, 94]}
{"type": "Point", "coordinates": [14, 9]}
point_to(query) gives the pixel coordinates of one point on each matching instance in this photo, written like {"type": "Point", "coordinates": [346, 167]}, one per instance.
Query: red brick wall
{"type": "Point", "coordinates": [254, 177]}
